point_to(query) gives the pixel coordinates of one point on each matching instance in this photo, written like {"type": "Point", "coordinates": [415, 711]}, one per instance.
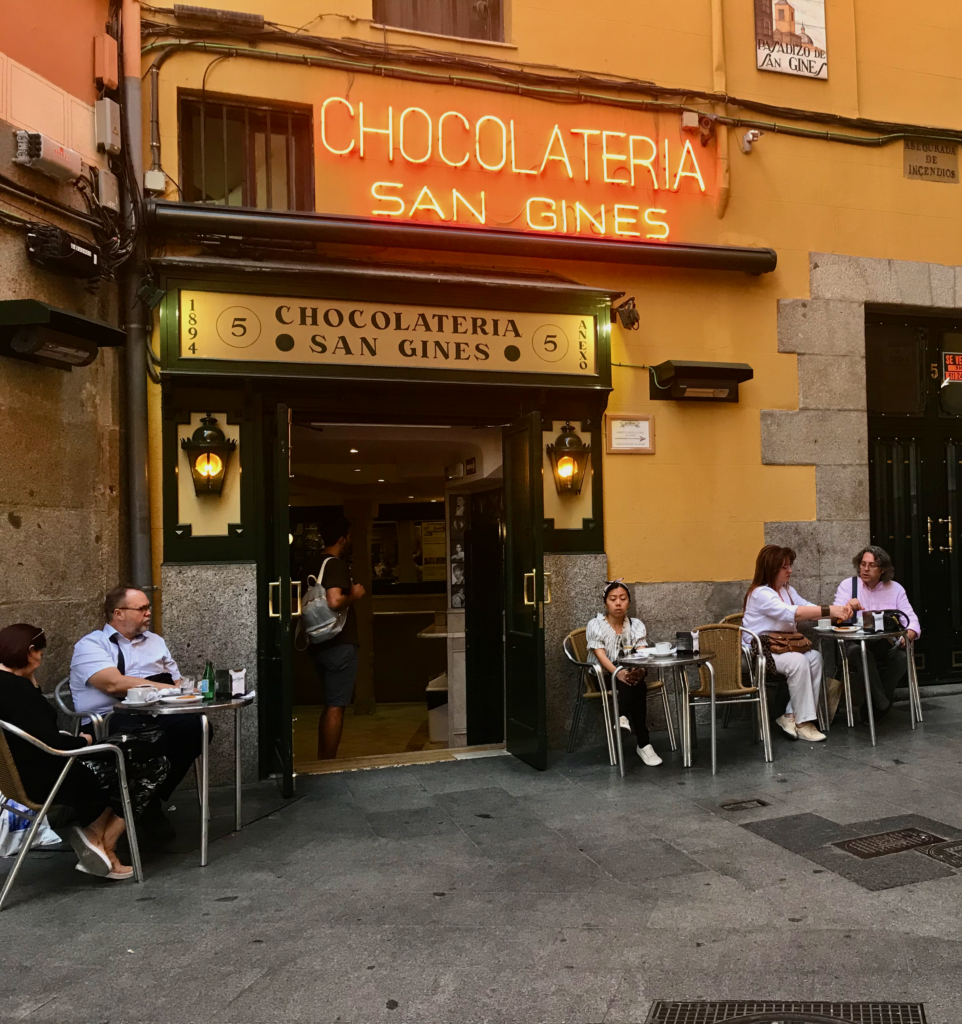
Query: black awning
{"type": "Point", "coordinates": [345, 269]}
{"type": "Point", "coordinates": [41, 333]}
{"type": "Point", "coordinates": [189, 220]}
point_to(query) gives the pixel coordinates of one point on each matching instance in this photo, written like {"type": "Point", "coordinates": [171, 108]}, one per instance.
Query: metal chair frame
{"type": "Point", "coordinates": [615, 751]}
{"type": "Point", "coordinates": [97, 721]}
{"type": "Point", "coordinates": [37, 812]}
{"type": "Point", "coordinates": [758, 696]}
{"type": "Point", "coordinates": [585, 667]}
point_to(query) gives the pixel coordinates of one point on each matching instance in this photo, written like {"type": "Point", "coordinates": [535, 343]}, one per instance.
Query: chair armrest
{"type": "Point", "coordinates": [53, 751]}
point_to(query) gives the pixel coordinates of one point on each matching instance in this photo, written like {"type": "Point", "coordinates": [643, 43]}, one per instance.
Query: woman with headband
{"type": "Point", "coordinates": [608, 634]}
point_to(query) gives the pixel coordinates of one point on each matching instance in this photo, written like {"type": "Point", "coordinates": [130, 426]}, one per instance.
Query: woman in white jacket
{"type": "Point", "coordinates": [772, 606]}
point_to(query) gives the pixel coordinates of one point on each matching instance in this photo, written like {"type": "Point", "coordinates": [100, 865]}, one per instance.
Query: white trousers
{"type": "Point", "coordinates": [804, 675]}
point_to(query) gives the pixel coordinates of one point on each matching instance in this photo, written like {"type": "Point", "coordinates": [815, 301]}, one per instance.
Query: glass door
{"type": "Point", "coordinates": [524, 583]}
{"type": "Point", "coordinates": [281, 602]}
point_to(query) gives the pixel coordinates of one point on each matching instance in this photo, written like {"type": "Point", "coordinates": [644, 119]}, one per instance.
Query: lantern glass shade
{"type": "Point", "coordinates": [208, 454]}
{"type": "Point", "coordinates": [570, 457]}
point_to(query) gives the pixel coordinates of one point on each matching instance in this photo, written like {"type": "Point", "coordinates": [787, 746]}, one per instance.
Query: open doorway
{"type": "Point", "coordinates": [425, 507]}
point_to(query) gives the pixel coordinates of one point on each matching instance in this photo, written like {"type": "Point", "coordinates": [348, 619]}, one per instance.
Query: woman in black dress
{"type": "Point", "coordinates": [22, 704]}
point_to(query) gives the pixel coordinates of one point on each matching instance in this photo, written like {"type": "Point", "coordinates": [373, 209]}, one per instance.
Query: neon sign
{"type": "Point", "coordinates": [615, 180]}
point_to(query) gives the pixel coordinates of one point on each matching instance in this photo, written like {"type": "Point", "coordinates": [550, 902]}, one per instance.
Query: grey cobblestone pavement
{"type": "Point", "coordinates": [481, 890]}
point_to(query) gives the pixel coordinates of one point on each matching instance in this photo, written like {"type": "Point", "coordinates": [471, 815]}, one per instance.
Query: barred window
{"type": "Point", "coordinates": [246, 154]}
{"type": "Point", "coordinates": [470, 19]}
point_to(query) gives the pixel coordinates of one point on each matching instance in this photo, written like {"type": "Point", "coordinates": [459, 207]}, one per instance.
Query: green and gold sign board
{"type": "Point", "coordinates": [346, 333]}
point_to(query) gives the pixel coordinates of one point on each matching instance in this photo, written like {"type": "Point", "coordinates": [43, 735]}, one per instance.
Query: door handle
{"type": "Point", "coordinates": [296, 593]}
{"type": "Point", "coordinates": [951, 546]}
{"type": "Point", "coordinates": [529, 576]}
{"type": "Point", "coordinates": [547, 588]}
{"type": "Point", "coordinates": [271, 614]}
{"type": "Point", "coordinates": [929, 520]}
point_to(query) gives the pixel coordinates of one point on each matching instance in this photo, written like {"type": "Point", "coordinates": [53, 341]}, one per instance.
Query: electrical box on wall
{"type": "Point", "coordinates": [106, 68]}
{"type": "Point", "coordinates": [41, 153]}
{"type": "Point", "coordinates": [108, 126]}
{"type": "Point", "coordinates": [108, 190]}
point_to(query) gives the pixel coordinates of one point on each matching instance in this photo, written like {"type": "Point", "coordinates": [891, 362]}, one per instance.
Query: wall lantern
{"type": "Point", "coordinates": [569, 460]}
{"type": "Point", "coordinates": [685, 381]}
{"type": "Point", "coordinates": [208, 452]}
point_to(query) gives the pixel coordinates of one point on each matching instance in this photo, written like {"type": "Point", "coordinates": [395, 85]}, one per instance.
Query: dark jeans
{"type": "Point", "coordinates": [887, 664]}
{"type": "Point", "coordinates": [183, 742]}
{"type": "Point", "coordinates": [633, 703]}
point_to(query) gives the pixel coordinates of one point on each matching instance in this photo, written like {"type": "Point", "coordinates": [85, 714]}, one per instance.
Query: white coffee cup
{"type": "Point", "coordinates": [138, 694]}
{"type": "Point", "coordinates": [824, 623]}
{"type": "Point", "coordinates": [663, 647]}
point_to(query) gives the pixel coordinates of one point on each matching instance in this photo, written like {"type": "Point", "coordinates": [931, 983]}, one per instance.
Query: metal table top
{"type": "Point", "coordinates": [665, 660]}
{"type": "Point", "coordinates": [156, 707]}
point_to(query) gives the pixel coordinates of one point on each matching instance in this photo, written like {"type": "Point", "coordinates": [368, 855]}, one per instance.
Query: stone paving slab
{"type": "Point", "coordinates": [483, 891]}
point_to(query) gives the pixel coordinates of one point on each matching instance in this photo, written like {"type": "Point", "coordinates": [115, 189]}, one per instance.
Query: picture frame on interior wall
{"type": "Point", "coordinates": [629, 435]}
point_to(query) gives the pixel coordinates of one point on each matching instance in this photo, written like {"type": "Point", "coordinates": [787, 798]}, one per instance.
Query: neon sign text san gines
{"type": "Point", "coordinates": [507, 172]}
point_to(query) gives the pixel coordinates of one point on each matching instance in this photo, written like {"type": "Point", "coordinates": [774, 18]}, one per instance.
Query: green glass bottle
{"type": "Point", "coordinates": [207, 687]}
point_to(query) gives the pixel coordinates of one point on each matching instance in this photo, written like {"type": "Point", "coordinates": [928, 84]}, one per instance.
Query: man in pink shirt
{"type": "Point", "coordinates": [876, 590]}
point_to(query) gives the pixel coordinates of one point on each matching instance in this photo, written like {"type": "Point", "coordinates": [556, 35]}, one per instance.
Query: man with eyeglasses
{"type": "Point", "coordinates": [875, 589]}
{"type": "Point", "coordinates": [124, 653]}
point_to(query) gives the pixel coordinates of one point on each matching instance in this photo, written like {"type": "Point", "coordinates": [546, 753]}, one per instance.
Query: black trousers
{"type": "Point", "coordinates": [183, 742]}
{"type": "Point", "coordinates": [81, 791]}
{"type": "Point", "coordinates": [887, 664]}
{"type": "Point", "coordinates": [633, 703]}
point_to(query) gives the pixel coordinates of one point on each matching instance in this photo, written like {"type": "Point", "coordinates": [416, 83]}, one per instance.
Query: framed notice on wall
{"type": "Point", "coordinates": [629, 435]}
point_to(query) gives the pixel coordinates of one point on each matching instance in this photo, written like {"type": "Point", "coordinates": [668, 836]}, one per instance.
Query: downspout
{"type": "Point", "coordinates": [720, 85]}
{"type": "Point", "coordinates": [135, 315]}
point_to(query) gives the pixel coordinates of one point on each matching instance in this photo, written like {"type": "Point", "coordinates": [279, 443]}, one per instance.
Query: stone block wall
{"type": "Point", "coordinates": [829, 429]}
{"type": "Point", "coordinates": [62, 523]}
{"type": "Point", "coordinates": [210, 612]}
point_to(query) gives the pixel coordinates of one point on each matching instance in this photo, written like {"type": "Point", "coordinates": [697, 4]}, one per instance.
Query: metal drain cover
{"type": "Point", "coordinates": [764, 1011]}
{"type": "Point", "coordinates": [949, 854]}
{"type": "Point", "coordinates": [883, 843]}
{"type": "Point", "coordinates": [743, 805]}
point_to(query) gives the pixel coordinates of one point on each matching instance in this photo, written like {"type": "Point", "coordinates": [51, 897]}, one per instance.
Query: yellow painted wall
{"type": "Point", "coordinates": [696, 509]}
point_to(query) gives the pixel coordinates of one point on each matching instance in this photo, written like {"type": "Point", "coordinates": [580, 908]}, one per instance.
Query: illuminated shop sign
{"type": "Point", "coordinates": [337, 332]}
{"type": "Point", "coordinates": [443, 155]}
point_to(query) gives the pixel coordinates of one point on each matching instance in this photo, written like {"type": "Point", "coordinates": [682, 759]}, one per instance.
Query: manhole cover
{"type": "Point", "coordinates": [947, 853]}
{"type": "Point", "coordinates": [866, 847]}
{"type": "Point", "coordinates": [778, 1012]}
{"type": "Point", "coordinates": [743, 805]}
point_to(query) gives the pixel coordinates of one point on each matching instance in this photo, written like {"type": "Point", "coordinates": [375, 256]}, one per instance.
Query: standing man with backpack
{"type": "Point", "coordinates": [334, 646]}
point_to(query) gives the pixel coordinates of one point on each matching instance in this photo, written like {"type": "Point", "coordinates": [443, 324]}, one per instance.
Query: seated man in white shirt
{"type": "Point", "coordinates": [875, 589]}
{"type": "Point", "coordinates": [108, 662]}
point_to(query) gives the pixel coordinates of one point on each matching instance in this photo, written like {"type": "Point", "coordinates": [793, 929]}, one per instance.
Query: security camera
{"type": "Point", "coordinates": [750, 138]}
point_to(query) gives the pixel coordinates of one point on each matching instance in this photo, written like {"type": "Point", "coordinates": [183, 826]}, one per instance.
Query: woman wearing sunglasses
{"type": "Point", "coordinates": [23, 704]}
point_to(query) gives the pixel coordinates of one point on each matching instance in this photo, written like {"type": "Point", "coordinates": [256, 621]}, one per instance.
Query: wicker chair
{"type": "Point", "coordinates": [724, 642]}
{"type": "Point", "coordinates": [735, 619]}
{"type": "Point", "coordinates": [11, 788]}
{"type": "Point", "coordinates": [593, 684]}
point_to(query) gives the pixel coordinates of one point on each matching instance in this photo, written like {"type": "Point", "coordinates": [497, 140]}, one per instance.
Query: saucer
{"type": "Point", "coordinates": [183, 698]}
{"type": "Point", "coordinates": [135, 703]}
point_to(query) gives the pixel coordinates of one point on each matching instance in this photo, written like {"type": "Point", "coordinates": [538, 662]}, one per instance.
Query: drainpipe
{"type": "Point", "coordinates": [135, 318]}
{"type": "Point", "coordinates": [720, 85]}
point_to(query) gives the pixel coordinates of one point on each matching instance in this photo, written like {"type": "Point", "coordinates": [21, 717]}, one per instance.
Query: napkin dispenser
{"type": "Point", "coordinates": [684, 643]}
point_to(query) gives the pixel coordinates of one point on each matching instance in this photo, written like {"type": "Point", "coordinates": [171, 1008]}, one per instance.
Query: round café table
{"type": "Point", "coordinates": [203, 708]}
{"type": "Point", "coordinates": [858, 636]}
{"type": "Point", "coordinates": [677, 664]}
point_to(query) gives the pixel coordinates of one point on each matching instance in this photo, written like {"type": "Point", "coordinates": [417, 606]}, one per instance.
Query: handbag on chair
{"type": "Point", "coordinates": [786, 643]}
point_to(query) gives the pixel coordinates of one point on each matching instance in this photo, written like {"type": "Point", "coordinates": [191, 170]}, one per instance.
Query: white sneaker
{"type": "Point", "coordinates": [787, 725]}
{"type": "Point", "coordinates": [624, 723]}
{"type": "Point", "coordinates": [648, 755]}
{"type": "Point", "coordinates": [807, 731]}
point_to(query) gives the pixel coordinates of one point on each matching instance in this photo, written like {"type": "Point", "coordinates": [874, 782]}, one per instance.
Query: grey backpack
{"type": "Point", "coordinates": [320, 621]}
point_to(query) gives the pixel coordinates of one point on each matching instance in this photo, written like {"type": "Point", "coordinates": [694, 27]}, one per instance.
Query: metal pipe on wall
{"type": "Point", "coordinates": [135, 316]}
